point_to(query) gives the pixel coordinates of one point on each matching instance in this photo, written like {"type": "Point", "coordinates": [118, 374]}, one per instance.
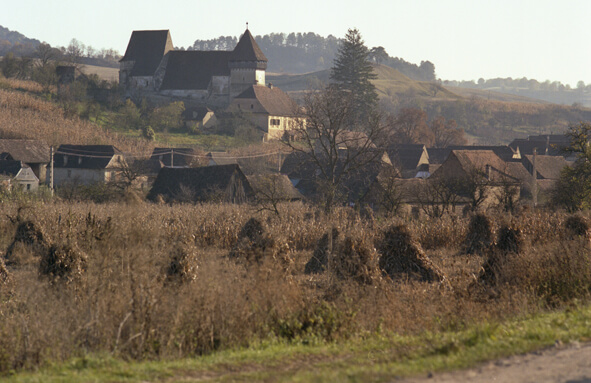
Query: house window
{"type": "Point", "coordinates": [28, 186]}
{"type": "Point", "coordinates": [275, 121]}
{"type": "Point", "coordinates": [251, 106]}
{"type": "Point", "coordinates": [69, 173]}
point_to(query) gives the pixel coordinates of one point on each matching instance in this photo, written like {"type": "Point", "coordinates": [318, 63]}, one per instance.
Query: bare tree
{"type": "Point", "coordinates": [446, 133]}
{"type": "Point", "coordinates": [333, 146]}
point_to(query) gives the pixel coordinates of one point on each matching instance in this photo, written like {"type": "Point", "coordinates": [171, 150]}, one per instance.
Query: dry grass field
{"type": "Point", "coordinates": [146, 281]}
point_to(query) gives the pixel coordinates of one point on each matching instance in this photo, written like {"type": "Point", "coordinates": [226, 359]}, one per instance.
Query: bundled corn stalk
{"type": "Point", "coordinates": [480, 236]}
{"type": "Point", "coordinates": [402, 255]}
{"type": "Point", "coordinates": [29, 235]}
{"type": "Point", "coordinates": [62, 261]}
{"type": "Point", "coordinates": [576, 226]}
{"type": "Point", "coordinates": [319, 260]}
{"type": "Point", "coordinates": [354, 259]}
{"type": "Point", "coordinates": [183, 264]}
{"type": "Point", "coordinates": [254, 246]}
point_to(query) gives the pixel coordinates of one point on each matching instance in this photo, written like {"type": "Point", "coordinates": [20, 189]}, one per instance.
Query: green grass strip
{"type": "Point", "coordinates": [374, 358]}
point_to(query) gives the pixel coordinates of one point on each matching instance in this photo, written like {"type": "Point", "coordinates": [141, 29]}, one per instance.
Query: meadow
{"type": "Point", "coordinates": [139, 281]}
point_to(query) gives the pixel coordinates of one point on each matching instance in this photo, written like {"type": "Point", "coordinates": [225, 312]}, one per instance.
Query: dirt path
{"type": "Point", "coordinates": [564, 364]}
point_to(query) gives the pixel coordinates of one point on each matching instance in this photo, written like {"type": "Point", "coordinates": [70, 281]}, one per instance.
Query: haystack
{"type": "Point", "coordinates": [509, 239]}
{"type": "Point", "coordinates": [62, 261]}
{"type": "Point", "coordinates": [576, 226]}
{"type": "Point", "coordinates": [402, 255]}
{"type": "Point", "coordinates": [28, 234]}
{"type": "Point", "coordinates": [354, 259]}
{"type": "Point", "coordinates": [183, 265]}
{"type": "Point", "coordinates": [319, 261]}
{"type": "Point", "coordinates": [254, 246]}
{"type": "Point", "coordinates": [479, 235]}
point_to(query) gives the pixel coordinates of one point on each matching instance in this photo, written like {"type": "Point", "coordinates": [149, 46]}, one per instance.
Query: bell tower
{"type": "Point", "coordinates": [247, 65]}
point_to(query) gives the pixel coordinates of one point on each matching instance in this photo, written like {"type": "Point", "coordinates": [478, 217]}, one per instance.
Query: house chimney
{"type": "Point", "coordinates": [488, 172]}
{"type": "Point", "coordinates": [270, 86]}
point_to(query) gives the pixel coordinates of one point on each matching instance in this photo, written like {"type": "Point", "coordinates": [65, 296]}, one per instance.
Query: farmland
{"type": "Point", "coordinates": [145, 281]}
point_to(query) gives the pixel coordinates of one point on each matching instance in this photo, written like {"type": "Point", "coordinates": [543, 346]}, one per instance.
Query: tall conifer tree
{"type": "Point", "coordinates": [353, 72]}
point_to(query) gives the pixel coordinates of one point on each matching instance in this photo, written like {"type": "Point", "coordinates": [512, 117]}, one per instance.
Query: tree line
{"type": "Point", "coordinates": [310, 52]}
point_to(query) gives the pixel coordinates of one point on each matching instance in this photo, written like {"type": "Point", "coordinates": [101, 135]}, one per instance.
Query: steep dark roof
{"type": "Point", "coordinates": [197, 113]}
{"type": "Point", "coordinates": [247, 49]}
{"type": "Point", "coordinates": [273, 100]}
{"type": "Point", "coordinates": [282, 187]}
{"type": "Point", "coordinates": [439, 155]}
{"type": "Point", "coordinates": [406, 155]}
{"type": "Point", "coordinates": [11, 168]}
{"type": "Point", "coordinates": [226, 182]}
{"type": "Point", "coordinates": [544, 144]}
{"type": "Point", "coordinates": [28, 151]}
{"type": "Point", "coordinates": [147, 48]}
{"type": "Point", "coordinates": [194, 69]}
{"type": "Point", "coordinates": [547, 167]}
{"type": "Point", "coordinates": [84, 156]}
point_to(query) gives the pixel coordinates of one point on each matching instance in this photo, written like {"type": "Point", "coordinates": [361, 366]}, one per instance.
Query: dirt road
{"type": "Point", "coordinates": [560, 364]}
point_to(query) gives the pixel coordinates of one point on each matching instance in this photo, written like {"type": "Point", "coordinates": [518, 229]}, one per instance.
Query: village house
{"type": "Point", "coordinates": [485, 168]}
{"type": "Point", "coordinates": [270, 109]}
{"type": "Point", "coordinates": [409, 158]}
{"type": "Point", "coordinates": [86, 164]}
{"type": "Point", "coordinates": [222, 183]}
{"type": "Point", "coordinates": [18, 174]}
{"type": "Point", "coordinates": [33, 153]}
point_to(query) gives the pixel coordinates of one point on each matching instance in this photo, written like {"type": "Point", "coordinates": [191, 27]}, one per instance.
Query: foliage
{"type": "Point", "coordinates": [332, 145]}
{"type": "Point", "coordinates": [573, 189]}
{"type": "Point", "coordinates": [352, 72]}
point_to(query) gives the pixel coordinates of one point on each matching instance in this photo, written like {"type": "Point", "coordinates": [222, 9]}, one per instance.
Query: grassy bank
{"type": "Point", "coordinates": [373, 358]}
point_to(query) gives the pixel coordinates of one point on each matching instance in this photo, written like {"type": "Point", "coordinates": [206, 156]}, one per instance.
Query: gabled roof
{"type": "Point", "coordinates": [201, 184]}
{"type": "Point", "coordinates": [407, 156]}
{"type": "Point", "coordinates": [84, 156]}
{"type": "Point", "coordinates": [547, 167]}
{"type": "Point", "coordinates": [197, 113]}
{"type": "Point", "coordinates": [147, 48]}
{"type": "Point", "coordinates": [544, 144]}
{"type": "Point", "coordinates": [505, 152]}
{"type": "Point", "coordinates": [484, 161]}
{"type": "Point", "coordinates": [11, 168]}
{"type": "Point", "coordinates": [274, 101]}
{"type": "Point", "coordinates": [194, 69]}
{"type": "Point", "coordinates": [247, 49]}
{"type": "Point", "coordinates": [281, 186]}
{"type": "Point", "coordinates": [28, 151]}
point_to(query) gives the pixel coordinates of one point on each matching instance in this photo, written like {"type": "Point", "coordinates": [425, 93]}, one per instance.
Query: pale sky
{"type": "Point", "coordinates": [465, 39]}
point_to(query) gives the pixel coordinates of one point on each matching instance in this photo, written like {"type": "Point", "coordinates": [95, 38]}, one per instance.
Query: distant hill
{"type": "Point", "coordinates": [12, 41]}
{"type": "Point", "coordinates": [300, 53]}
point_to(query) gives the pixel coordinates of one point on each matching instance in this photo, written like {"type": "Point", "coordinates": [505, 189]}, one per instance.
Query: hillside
{"type": "Point", "coordinates": [23, 114]}
{"type": "Point", "coordinates": [12, 41]}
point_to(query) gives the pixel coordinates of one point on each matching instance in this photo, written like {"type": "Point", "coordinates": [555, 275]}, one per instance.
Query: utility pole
{"type": "Point", "coordinates": [51, 170]}
{"type": "Point", "coordinates": [534, 188]}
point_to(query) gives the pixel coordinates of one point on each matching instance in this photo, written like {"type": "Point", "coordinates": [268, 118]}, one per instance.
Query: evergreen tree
{"type": "Point", "coordinates": [353, 72]}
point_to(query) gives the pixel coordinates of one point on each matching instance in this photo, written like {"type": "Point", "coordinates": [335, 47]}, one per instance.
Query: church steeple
{"type": "Point", "coordinates": [247, 65]}
{"type": "Point", "coordinates": [247, 50]}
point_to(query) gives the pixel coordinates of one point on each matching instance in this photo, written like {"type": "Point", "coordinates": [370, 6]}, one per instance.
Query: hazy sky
{"type": "Point", "coordinates": [465, 39]}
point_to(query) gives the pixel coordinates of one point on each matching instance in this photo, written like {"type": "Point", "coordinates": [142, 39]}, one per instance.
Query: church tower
{"type": "Point", "coordinates": [247, 65]}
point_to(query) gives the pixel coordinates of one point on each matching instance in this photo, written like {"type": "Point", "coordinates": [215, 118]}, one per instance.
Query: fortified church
{"type": "Point", "coordinates": [152, 69]}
